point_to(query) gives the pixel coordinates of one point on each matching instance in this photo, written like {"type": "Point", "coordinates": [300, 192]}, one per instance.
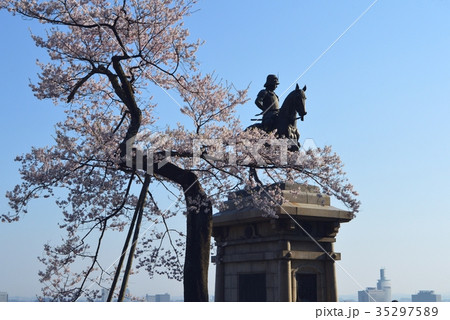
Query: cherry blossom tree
{"type": "Point", "coordinates": [105, 56]}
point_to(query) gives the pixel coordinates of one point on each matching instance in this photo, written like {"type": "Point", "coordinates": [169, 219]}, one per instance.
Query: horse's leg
{"type": "Point", "coordinates": [295, 146]}
{"type": "Point", "coordinates": [293, 138]}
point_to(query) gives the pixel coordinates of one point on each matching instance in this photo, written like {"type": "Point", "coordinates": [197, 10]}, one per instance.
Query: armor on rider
{"type": "Point", "coordinates": [268, 102]}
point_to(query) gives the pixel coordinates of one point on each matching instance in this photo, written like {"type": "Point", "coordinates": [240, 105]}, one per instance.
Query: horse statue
{"type": "Point", "coordinates": [286, 120]}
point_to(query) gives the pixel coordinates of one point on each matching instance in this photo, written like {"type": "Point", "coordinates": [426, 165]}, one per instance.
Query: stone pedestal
{"type": "Point", "coordinates": [286, 259]}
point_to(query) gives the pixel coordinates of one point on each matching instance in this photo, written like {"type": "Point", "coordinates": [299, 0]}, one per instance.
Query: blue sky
{"type": "Point", "coordinates": [379, 96]}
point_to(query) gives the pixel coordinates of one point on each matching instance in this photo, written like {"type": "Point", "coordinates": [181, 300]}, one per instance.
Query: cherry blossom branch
{"type": "Point", "coordinates": [94, 261]}
{"type": "Point", "coordinates": [79, 84]}
{"type": "Point", "coordinates": [167, 231]}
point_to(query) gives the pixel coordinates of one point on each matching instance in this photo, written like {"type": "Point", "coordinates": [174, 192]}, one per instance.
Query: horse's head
{"type": "Point", "coordinates": [294, 104]}
{"type": "Point", "coordinates": [300, 101]}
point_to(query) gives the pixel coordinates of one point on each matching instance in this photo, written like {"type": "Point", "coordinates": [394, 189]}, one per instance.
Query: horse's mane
{"type": "Point", "coordinates": [288, 101]}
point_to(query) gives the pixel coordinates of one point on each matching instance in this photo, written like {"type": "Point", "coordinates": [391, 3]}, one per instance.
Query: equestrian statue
{"type": "Point", "coordinates": [284, 119]}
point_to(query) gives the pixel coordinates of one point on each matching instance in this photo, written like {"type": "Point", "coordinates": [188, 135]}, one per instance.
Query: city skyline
{"type": "Point", "coordinates": [394, 295]}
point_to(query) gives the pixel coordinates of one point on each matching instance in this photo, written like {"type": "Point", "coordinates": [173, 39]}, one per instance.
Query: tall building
{"type": "Point", "coordinates": [3, 297]}
{"type": "Point", "coordinates": [382, 293]}
{"type": "Point", "coordinates": [426, 296]}
{"type": "Point", "coordinates": [384, 285]}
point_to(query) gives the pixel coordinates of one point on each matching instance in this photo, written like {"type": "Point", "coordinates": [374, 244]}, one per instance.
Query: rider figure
{"type": "Point", "coordinates": [267, 101]}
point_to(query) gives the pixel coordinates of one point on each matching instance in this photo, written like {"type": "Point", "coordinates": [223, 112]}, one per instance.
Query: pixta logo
{"type": "Point", "coordinates": [261, 152]}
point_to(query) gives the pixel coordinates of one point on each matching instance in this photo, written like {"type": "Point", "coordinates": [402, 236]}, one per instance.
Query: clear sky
{"type": "Point", "coordinates": [379, 96]}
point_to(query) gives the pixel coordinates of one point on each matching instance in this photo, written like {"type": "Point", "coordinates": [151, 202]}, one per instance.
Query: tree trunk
{"type": "Point", "coordinates": [198, 235]}
{"type": "Point", "coordinates": [198, 243]}
{"type": "Point", "coordinates": [199, 208]}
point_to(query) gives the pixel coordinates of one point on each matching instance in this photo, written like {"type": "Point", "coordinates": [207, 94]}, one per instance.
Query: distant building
{"type": "Point", "coordinates": [163, 297]}
{"type": "Point", "coordinates": [426, 296]}
{"type": "Point", "coordinates": [382, 293]}
{"type": "Point", "coordinates": [150, 298]}
{"type": "Point", "coordinates": [105, 293]}
{"type": "Point", "coordinates": [158, 298]}
{"type": "Point", "coordinates": [3, 297]}
{"type": "Point", "coordinates": [371, 294]}
{"type": "Point", "coordinates": [127, 296]}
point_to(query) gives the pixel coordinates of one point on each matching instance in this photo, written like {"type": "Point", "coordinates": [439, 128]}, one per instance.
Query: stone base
{"type": "Point", "coordinates": [286, 259]}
